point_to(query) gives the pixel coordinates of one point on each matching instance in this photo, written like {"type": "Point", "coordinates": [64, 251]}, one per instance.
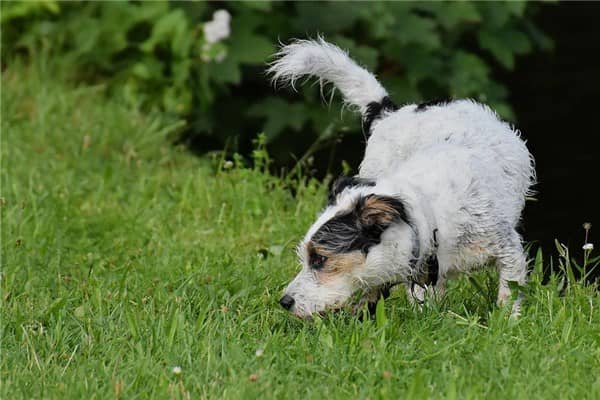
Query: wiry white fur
{"type": "Point", "coordinates": [456, 167]}
{"type": "Point", "coordinates": [328, 63]}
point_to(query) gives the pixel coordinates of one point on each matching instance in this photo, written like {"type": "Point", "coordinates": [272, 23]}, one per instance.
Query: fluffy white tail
{"type": "Point", "coordinates": [328, 63]}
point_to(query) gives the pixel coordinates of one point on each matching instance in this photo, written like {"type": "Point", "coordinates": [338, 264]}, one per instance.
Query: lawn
{"type": "Point", "coordinates": [124, 256]}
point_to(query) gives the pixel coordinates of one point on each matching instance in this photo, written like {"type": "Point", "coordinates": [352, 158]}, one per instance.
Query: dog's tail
{"type": "Point", "coordinates": [329, 63]}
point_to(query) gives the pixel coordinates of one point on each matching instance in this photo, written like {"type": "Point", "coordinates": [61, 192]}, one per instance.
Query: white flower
{"type": "Point", "coordinates": [588, 246]}
{"type": "Point", "coordinates": [217, 29]}
{"type": "Point", "coordinates": [228, 164]}
{"type": "Point", "coordinates": [259, 352]}
{"type": "Point", "coordinates": [176, 370]}
{"type": "Point", "coordinates": [222, 15]}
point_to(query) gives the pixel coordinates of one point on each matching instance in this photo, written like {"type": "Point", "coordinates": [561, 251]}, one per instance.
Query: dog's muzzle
{"type": "Point", "coordinates": [287, 301]}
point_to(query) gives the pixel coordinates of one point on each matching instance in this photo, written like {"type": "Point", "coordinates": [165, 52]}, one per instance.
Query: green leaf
{"type": "Point", "coordinates": [258, 5]}
{"type": "Point", "coordinates": [380, 317]}
{"type": "Point", "coordinates": [148, 68]}
{"type": "Point", "coordinates": [504, 44]}
{"type": "Point", "coordinates": [401, 89]}
{"type": "Point", "coordinates": [321, 17]}
{"type": "Point", "coordinates": [181, 71]}
{"type": "Point", "coordinates": [468, 75]}
{"type": "Point", "coordinates": [380, 20]}
{"type": "Point", "coordinates": [132, 324]}
{"type": "Point", "coordinates": [226, 72]}
{"type": "Point", "coordinates": [421, 63]}
{"type": "Point", "coordinates": [174, 326]}
{"type": "Point", "coordinates": [494, 15]}
{"type": "Point", "coordinates": [416, 29]}
{"type": "Point", "coordinates": [55, 306]}
{"type": "Point", "coordinates": [451, 14]}
{"type": "Point", "coordinates": [325, 337]}
{"type": "Point", "coordinates": [516, 7]}
{"type": "Point", "coordinates": [497, 47]}
{"type": "Point", "coordinates": [176, 99]}
{"type": "Point", "coordinates": [22, 9]}
{"type": "Point", "coordinates": [170, 28]}
{"type": "Point", "coordinates": [279, 115]}
{"type": "Point", "coordinates": [251, 48]}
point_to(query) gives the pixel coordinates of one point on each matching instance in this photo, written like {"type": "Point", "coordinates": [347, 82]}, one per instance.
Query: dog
{"type": "Point", "coordinates": [439, 192]}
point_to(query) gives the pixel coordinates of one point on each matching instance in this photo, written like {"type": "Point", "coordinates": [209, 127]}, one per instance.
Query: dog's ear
{"type": "Point", "coordinates": [380, 211]}
{"type": "Point", "coordinates": [361, 228]}
{"type": "Point", "coordinates": [374, 214]}
{"type": "Point", "coordinates": [342, 182]}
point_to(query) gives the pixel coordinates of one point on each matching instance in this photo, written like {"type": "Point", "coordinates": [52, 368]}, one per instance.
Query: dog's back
{"type": "Point", "coordinates": [413, 129]}
{"type": "Point", "coordinates": [394, 135]}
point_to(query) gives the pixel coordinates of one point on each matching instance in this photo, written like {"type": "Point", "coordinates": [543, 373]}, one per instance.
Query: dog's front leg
{"type": "Point", "coordinates": [371, 297]}
{"type": "Point", "coordinates": [417, 294]}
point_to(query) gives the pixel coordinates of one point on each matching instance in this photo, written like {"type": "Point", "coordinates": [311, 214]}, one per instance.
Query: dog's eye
{"type": "Point", "coordinates": [317, 261]}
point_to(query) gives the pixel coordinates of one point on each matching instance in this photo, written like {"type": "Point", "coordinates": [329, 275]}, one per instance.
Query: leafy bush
{"type": "Point", "coordinates": [163, 56]}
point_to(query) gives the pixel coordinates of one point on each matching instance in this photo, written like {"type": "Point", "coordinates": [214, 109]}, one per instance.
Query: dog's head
{"type": "Point", "coordinates": [358, 243]}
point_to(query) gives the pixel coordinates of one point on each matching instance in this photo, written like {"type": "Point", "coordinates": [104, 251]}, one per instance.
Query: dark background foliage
{"type": "Point", "coordinates": [514, 56]}
{"type": "Point", "coordinates": [155, 54]}
{"type": "Point", "coordinates": [555, 98]}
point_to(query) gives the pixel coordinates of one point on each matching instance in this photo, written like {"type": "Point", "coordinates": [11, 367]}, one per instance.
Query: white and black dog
{"type": "Point", "coordinates": [440, 191]}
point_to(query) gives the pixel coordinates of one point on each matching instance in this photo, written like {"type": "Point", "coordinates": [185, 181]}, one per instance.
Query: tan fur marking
{"type": "Point", "coordinates": [340, 264]}
{"type": "Point", "coordinates": [377, 211]}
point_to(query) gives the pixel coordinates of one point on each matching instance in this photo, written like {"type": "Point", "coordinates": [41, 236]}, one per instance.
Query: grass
{"type": "Point", "coordinates": [124, 256]}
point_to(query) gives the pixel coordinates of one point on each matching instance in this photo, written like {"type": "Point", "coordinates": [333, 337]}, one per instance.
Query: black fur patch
{"type": "Point", "coordinates": [343, 182]}
{"type": "Point", "coordinates": [432, 264]}
{"type": "Point", "coordinates": [429, 269]}
{"type": "Point", "coordinates": [435, 102]}
{"type": "Point", "coordinates": [374, 111]}
{"type": "Point", "coordinates": [384, 292]}
{"type": "Point", "coordinates": [361, 228]}
{"type": "Point", "coordinates": [433, 268]}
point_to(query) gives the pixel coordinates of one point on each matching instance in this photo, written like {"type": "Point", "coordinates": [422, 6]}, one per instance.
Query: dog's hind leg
{"type": "Point", "coordinates": [512, 267]}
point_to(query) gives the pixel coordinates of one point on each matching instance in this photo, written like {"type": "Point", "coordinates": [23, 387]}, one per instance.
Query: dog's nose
{"type": "Point", "coordinates": [286, 301]}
